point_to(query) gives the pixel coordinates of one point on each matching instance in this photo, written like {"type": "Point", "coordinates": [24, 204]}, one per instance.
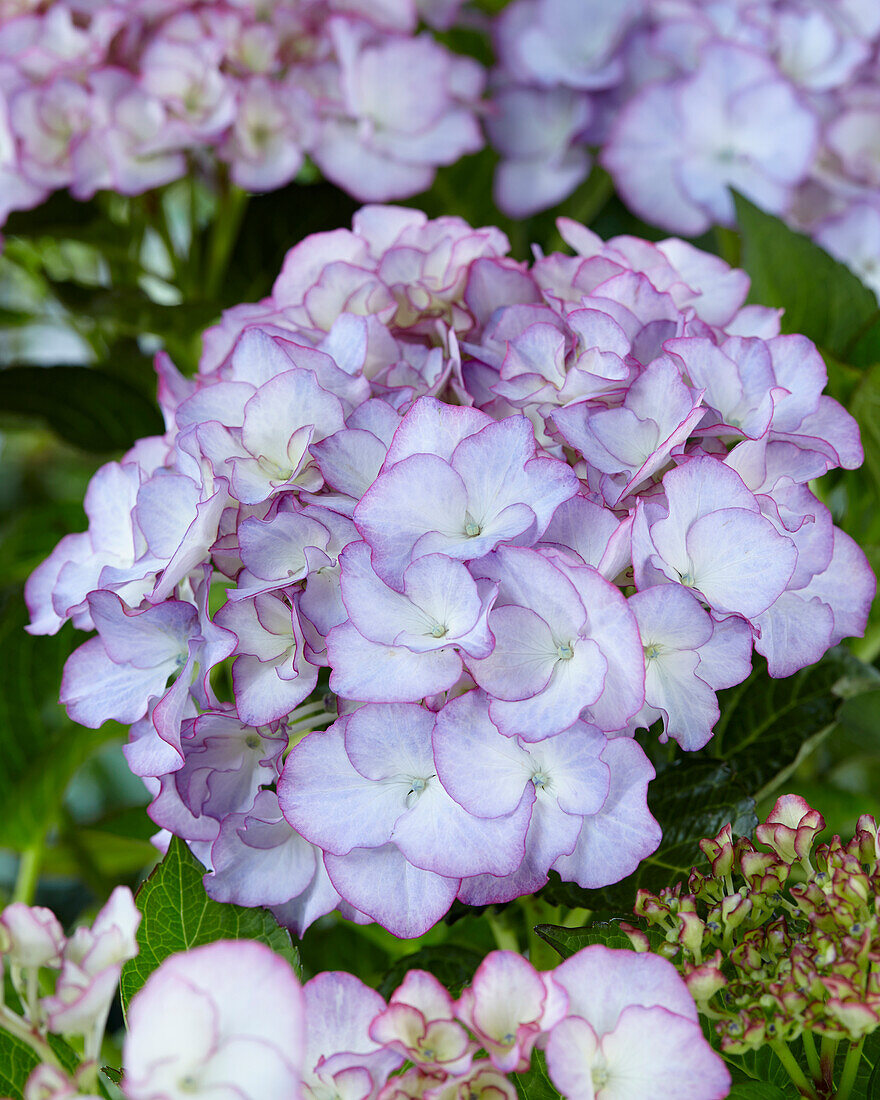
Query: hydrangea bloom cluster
{"type": "Point", "coordinates": [230, 1018]}
{"type": "Point", "coordinates": [121, 95]}
{"type": "Point", "coordinates": [779, 99]}
{"type": "Point", "coordinates": [779, 939]}
{"type": "Point", "coordinates": [85, 968]}
{"type": "Point", "coordinates": [507, 514]}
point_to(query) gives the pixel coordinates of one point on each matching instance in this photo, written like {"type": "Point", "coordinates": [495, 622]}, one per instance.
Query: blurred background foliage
{"type": "Point", "coordinates": [89, 292]}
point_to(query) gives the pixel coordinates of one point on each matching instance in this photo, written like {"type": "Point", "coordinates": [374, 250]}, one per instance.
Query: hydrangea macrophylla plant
{"type": "Point", "coordinates": [122, 96]}
{"type": "Point", "coordinates": [777, 99]}
{"type": "Point", "coordinates": [230, 1017]}
{"type": "Point", "coordinates": [506, 514]}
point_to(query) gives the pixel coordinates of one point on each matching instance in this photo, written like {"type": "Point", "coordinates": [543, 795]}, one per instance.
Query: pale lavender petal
{"type": "Point", "coordinates": [382, 883]}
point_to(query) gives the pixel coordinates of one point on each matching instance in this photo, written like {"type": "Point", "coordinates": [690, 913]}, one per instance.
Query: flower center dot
{"type": "Point", "coordinates": [472, 529]}
{"type": "Point", "coordinates": [565, 651]}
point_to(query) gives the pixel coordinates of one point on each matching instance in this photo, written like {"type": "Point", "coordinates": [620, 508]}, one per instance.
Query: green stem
{"type": "Point", "coordinates": [14, 1024]}
{"type": "Point", "coordinates": [812, 1055]}
{"type": "Point", "coordinates": [850, 1069]}
{"type": "Point", "coordinates": [827, 1053]}
{"type": "Point", "coordinates": [29, 873]}
{"type": "Point", "coordinates": [794, 1071]}
{"type": "Point", "coordinates": [227, 223]}
{"type": "Point", "coordinates": [504, 936]}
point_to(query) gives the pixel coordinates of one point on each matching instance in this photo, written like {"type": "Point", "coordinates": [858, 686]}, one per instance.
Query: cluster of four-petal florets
{"type": "Point", "coordinates": [588, 535]}
{"type": "Point", "coordinates": [231, 1017]}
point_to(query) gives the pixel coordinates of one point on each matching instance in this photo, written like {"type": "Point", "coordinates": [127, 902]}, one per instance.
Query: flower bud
{"type": "Point", "coordinates": [650, 907]}
{"type": "Point", "coordinates": [30, 936]}
{"type": "Point", "coordinates": [719, 852]}
{"type": "Point", "coordinates": [734, 910]}
{"type": "Point", "coordinates": [790, 828]}
{"type": "Point", "coordinates": [855, 1017]}
{"type": "Point", "coordinates": [704, 981]}
{"type": "Point", "coordinates": [636, 937]}
{"type": "Point", "coordinates": [690, 933]}
{"type": "Point", "coordinates": [865, 845]}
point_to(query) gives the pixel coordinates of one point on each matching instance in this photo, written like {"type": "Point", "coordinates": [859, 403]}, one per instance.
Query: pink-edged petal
{"type": "Point", "coordinates": [738, 560]}
{"type": "Point", "coordinates": [440, 836]}
{"type": "Point", "coordinates": [654, 1053]}
{"type": "Point", "coordinates": [382, 883]}
{"type": "Point", "coordinates": [615, 840]}
{"type": "Point", "coordinates": [331, 804]}
{"type": "Point", "coordinates": [374, 672]}
{"type": "Point", "coordinates": [484, 771]}
{"type": "Point", "coordinates": [602, 982]}
{"type": "Point", "coordinates": [576, 682]}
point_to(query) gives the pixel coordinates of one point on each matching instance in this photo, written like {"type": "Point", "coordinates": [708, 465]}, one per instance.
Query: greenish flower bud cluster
{"type": "Point", "coordinates": [779, 938]}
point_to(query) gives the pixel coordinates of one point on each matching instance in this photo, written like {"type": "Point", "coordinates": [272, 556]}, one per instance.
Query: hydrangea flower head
{"type": "Point", "coordinates": [453, 528]}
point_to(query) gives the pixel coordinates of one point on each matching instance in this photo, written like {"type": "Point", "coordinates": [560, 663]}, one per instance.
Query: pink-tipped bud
{"type": "Point", "coordinates": [636, 937]}
{"type": "Point", "coordinates": [690, 933]}
{"type": "Point", "coordinates": [791, 828]}
{"type": "Point", "coordinates": [719, 852]}
{"type": "Point", "coordinates": [704, 981]}
{"type": "Point", "coordinates": [734, 910]}
{"type": "Point", "coordinates": [30, 935]}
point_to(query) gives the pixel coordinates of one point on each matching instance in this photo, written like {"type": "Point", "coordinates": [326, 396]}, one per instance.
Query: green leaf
{"type": "Point", "coordinates": [865, 407]}
{"type": "Point", "coordinates": [767, 726]}
{"type": "Point", "coordinates": [85, 406]}
{"type": "Point", "coordinates": [762, 1067]}
{"type": "Point", "coordinates": [691, 799]}
{"type": "Point", "coordinates": [451, 965]}
{"type": "Point", "coordinates": [604, 929]}
{"type": "Point", "coordinates": [757, 1090]}
{"type": "Point", "coordinates": [178, 915]}
{"type": "Point", "coordinates": [39, 746]}
{"type": "Point", "coordinates": [821, 297]}
{"type": "Point", "coordinates": [535, 1085]}
{"type": "Point", "coordinates": [17, 1060]}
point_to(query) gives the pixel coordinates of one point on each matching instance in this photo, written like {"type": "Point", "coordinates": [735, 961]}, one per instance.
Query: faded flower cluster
{"type": "Point", "coordinates": [230, 1018]}
{"type": "Point", "coordinates": [506, 514]}
{"type": "Point", "coordinates": [126, 95]}
{"type": "Point", "coordinates": [779, 99]}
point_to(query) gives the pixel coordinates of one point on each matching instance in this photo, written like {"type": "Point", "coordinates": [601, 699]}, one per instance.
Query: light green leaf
{"type": "Point", "coordinates": [757, 1090]}
{"type": "Point", "coordinates": [178, 915]}
{"type": "Point", "coordinates": [535, 1085]}
{"type": "Point", "coordinates": [17, 1060]}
